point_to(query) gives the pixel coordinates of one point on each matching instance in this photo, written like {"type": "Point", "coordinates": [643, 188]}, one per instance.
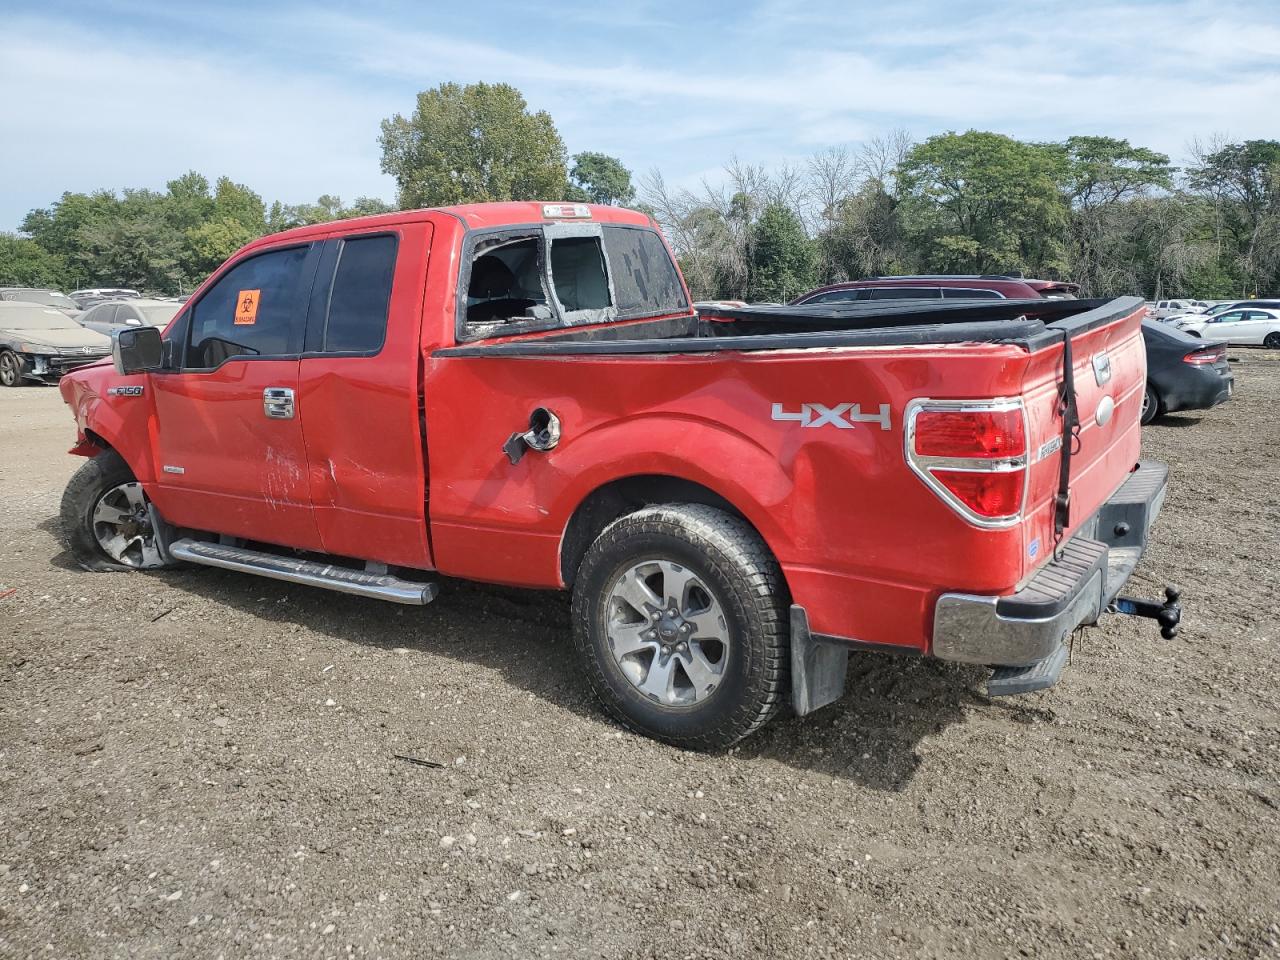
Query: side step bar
{"type": "Point", "coordinates": [380, 586]}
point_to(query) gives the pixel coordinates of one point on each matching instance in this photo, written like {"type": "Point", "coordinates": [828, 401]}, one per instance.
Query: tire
{"type": "Point", "coordinates": [103, 496]}
{"type": "Point", "coordinates": [10, 369]}
{"type": "Point", "coordinates": [1272, 341]}
{"type": "Point", "coordinates": [733, 603]}
{"type": "Point", "coordinates": [1151, 405]}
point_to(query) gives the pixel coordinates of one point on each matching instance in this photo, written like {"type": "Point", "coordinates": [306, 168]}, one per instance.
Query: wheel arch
{"type": "Point", "coordinates": [616, 498]}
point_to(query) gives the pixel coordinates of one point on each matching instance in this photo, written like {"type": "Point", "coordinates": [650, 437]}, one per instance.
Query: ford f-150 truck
{"type": "Point", "coordinates": [521, 393]}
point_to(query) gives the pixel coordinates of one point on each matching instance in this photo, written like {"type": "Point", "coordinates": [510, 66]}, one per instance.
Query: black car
{"type": "Point", "coordinates": [1182, 372]}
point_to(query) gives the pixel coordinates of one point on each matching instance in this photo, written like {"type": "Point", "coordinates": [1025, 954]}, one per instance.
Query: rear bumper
{"type": "Point", "coordinates": [1198, 390]}
{"type": "Point", "coordinates": [1071, 590]}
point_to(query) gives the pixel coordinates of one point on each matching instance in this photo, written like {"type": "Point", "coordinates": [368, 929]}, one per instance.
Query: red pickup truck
{"type": "Point", "coordinates": [521, 393]}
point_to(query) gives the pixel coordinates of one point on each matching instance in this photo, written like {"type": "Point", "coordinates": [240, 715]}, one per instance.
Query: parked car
{"type": "Point", "coordinates": [1240, 325]}
{"type": "Point", "coordinates": [93, 295]}
{"type": "Point", "coordinates": [42, 296]}
{"type": "Point", "coordinates": [39, 343]}
{"type": "Point", "coordinates": [111, 315]}
{"type": "Point", "coordinates": [1219, 308]}
{"type": "Point", "coordinates": [1183, 373]}
{"type": "Point", "coordinates": [521, 393]}
{"type": "Point", "coordinates": [1164, 309]}
{"type": "Point", "coordinates": [922, 287]}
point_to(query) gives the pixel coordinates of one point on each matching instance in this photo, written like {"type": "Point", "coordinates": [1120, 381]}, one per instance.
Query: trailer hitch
{"type": "Point", "coordinates": [1167, 614]}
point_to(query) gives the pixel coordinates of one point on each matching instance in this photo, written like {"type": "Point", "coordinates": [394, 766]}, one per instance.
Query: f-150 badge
{"type": "Point", "coordinates": [843, 416]}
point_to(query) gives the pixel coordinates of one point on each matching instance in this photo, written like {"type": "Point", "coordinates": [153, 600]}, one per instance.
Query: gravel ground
{"type": "Point", "coordinates": [199, 764]}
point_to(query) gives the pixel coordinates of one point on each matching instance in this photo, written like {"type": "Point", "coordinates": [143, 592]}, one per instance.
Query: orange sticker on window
{"type": "Point", "coordinates": [247, 307]}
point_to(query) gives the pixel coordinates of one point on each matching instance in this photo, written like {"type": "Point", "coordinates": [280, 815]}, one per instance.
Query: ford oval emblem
{"type": "Point", "coordinates": [1106, 407]}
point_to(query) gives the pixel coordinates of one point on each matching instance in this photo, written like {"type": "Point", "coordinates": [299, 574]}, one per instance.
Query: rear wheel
{"type": "Point", "coordinates": [1272, 341]}
{"type": "Point", "coordinates": [108, 520]}
{"type": "Point", "coordinates": [11, 367]}
{"type": "Point", "coordinates": [1150, 405]}
{"type": "Point", "coordinates": [679, 612]}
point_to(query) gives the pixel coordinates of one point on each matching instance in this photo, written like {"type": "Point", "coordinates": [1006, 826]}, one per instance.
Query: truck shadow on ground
{"type": "Point", "coordinates": [871, 736]}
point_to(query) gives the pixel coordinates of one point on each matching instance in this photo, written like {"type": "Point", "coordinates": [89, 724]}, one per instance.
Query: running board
{"type": "Point", "coordinates": [380, 586]}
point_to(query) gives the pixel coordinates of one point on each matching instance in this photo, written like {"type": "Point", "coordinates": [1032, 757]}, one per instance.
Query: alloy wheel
{"type": "Point", "coordinates": [667, 632]}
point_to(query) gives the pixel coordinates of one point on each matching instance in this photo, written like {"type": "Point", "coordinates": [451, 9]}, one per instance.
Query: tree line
{"type": "Point", "coordinates": [1113, 217]}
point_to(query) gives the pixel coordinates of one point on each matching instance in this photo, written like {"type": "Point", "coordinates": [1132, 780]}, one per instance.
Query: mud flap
{"type": "Point", "coordinates": [817, 669]}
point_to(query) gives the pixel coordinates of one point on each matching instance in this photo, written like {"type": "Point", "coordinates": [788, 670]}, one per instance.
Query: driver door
{"type": "Point", "coordinates": [229, 443]}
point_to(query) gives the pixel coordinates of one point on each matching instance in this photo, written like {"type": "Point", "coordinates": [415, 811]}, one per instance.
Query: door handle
{"type": "Point", "coordinates": [277, 403]}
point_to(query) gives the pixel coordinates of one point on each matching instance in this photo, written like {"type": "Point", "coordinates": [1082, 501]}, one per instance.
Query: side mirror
{"type": "Point", "coordinates": [136, 349]}
{"type": "Point", "coordinates": [133, 322]}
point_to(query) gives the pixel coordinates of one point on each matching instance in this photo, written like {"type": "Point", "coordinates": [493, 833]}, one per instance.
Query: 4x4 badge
{"type": "Point", "coordinates": [843, 416]}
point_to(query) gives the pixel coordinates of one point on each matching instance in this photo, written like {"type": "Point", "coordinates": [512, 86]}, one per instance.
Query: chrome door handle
{"type": "Point", "coordinates": [277, 403]}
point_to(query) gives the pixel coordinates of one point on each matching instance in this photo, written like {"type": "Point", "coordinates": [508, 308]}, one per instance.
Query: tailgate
{"type": "Point", "coordinates": [1109, 367]}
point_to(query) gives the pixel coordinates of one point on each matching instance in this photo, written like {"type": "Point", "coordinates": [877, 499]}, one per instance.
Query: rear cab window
{"type": "Point", "coordinates": [557, 275]}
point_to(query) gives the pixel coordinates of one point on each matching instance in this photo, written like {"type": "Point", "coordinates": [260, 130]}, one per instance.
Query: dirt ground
{"type": "Point", "coordinates": [199, 764]}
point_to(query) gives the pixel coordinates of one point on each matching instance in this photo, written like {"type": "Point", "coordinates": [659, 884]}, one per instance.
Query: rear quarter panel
{"type": "Point", "coordinates": [864, 544]}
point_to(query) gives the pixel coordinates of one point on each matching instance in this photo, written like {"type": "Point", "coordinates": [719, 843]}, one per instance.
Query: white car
{"type": "Point", "coordinates": [111, 315]}
{"type": "Point", "coordinates": [1243, 325]}
{"type": "Point", "coordinates": [1164, 309]}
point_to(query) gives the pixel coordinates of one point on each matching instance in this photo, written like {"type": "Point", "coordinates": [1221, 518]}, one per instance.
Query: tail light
{"type": "Point", "coordinates": [1206, 356]}
{"type": "Point", "coordinates": [972, 454]}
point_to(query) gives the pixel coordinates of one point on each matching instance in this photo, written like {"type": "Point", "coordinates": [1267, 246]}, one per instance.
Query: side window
{"type": "Point", "coordinates": [255, 309]}
{"type": "Point", "coordinates": [906, 293]}
{"type": "Point", "coordinates": [836, 296]}
{"type": "Point", "coordinates": [361, 295]}
{"type": "Point", "coordinates": [645, 280]}
{"type": "Point", "coordinates": [578, 274]}
{"type": "Point", "coordinates": [1230, 317]}
{"type": "Point", "coordinates": [956, 293]}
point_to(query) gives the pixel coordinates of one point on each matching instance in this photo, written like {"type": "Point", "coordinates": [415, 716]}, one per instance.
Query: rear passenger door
{"type": "Point", "coordinates": [359, 396]}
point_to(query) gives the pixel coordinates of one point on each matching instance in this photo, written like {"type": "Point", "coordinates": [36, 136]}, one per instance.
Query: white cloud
{"type": "Point", "coordinates": [766, 82]}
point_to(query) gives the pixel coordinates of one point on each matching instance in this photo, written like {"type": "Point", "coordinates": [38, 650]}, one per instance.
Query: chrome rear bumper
{"type": "Point", "coordinates": [1069, 591]}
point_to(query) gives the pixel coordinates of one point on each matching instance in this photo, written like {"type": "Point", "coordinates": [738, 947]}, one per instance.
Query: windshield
{"type": "Point", "coordinates": [46, 298]}
{"type": "Point", "coordinates": [35, 318]}
{"type": "Point", "coordinates": [1214, 311]}
{"type": "Point", "coordinates": [161, 315]}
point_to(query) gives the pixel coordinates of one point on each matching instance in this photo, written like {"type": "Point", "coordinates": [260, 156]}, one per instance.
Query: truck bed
{"type": "Point", "coordinates": [1029, 324]}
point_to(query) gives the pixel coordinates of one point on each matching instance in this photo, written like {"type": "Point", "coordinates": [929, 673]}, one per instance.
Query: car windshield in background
{"type": "Point", "coordinates": [160, 316]}
{"type": "Point", "coordinates": [45, 298]}
{"type": "Point", "coordinates": [21, 317]}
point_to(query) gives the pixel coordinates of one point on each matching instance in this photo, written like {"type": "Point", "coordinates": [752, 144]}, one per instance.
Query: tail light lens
{"type": "Point", "coordinates": [973, 455]}
{"type": "Point", "coordinates": [1206, 356]}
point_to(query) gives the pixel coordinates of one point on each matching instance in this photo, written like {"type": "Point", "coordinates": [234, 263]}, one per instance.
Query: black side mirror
{"type": "Point", "coordinates": [136, 349]}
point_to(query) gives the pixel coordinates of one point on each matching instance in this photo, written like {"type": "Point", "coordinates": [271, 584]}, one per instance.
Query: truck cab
{"type": "Point", "coordinates": [521, 393]}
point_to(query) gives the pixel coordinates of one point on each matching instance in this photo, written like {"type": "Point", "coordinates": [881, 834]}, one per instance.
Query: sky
{"type": "Point", "coordinates": [287, 97]}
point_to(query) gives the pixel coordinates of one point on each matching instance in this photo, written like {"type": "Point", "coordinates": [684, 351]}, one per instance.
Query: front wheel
{"type": "Point", "coordinates": [680, 614]}
{"type": "Point", "coordinates": [107, 519]}
{"type": "Point", "coordinates": [10, 369]}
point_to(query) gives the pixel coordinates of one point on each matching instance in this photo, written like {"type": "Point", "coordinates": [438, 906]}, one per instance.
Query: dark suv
{"type": "Point", "coordinates": [924, 287]}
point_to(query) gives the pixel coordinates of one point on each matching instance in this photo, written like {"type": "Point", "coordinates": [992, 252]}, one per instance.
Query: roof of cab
{"type": "Point", "coordinates": [476, 216]}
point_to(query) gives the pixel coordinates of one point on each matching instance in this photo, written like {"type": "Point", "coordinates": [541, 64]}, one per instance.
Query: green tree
{"type": "Point", "coordinates": [24, 263]}
{"type": "Point", "coordinates": [983, 202]}
{"type": "Point", "coordinates": [781, 256]}
{"type": "Point", "coordinates": [470, 144]}
{"type": "Point", "coordinates": [1242, 183]}
{"type": "Point", "coordinates": [601, 179]}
